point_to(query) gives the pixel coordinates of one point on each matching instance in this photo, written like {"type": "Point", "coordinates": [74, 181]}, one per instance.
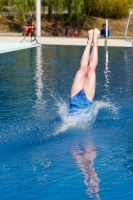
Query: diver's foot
{"type": "Point", "coordinates": [96, 35]}
{"type": "Point", "coordinates": [90, 36]}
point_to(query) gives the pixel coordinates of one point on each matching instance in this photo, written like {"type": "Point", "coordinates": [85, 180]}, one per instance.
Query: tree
{"type": "Point", "coordinates": [3, 3]}
{"type": "Point", "coordinates": [21, 7]}
{"type": "Point", "coordinates": [102, 8]}
{"type": "Point", "coordinates": [110, 8]}
{"type": "Point", "coordinates": [54, 5]}
{"type": "Point", "coordinates": [73, 7]}
{"type": "Point", "coordinates": [87, 9]}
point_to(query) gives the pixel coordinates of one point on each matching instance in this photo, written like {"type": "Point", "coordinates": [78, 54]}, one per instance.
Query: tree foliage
{"type": "Point", "coordinates": [102, 8]}
{"type": "Point", "coordinates": [73, 7]}
{"type": "Point", "coordinates": [3, 3]}
{"type": "Point", "coordinates": [110, 8]}
{"type": "Point", "coordinates": [56, 6]}
{"type": "Point", "coordinates": [21, 7]}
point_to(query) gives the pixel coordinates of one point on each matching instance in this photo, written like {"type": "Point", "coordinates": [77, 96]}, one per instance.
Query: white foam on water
{"type": "Point", "coordinates": [82, 119]}
{"type": "Point", "coordinates": [28, 133]}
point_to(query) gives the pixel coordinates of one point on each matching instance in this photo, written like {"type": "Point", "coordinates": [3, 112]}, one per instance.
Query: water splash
{"type": "Point", "coordinates": [40, 128]}
{"type": "Point", "coordinates": [83, 119]}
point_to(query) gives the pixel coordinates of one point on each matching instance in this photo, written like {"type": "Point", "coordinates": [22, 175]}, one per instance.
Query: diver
{"type": "Point", "coordinates": [84, 84]}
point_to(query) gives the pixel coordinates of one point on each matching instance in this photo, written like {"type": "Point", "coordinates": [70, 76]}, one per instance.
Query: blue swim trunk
{"type": "Point", "coordinates": [79, 102]}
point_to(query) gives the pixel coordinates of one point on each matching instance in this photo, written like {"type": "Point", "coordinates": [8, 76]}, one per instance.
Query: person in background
{"type": "Point", "coordinates": [67, 30]}
{"type": "Point", "coordinates": [54, 30]}
{"type": "Point", "coordinates": [103, 31]}
{"type": "Point", "coordinates": [28, 28]}
{"type": "Point", "coordinates": [76, 32]}
{"type": "Point", "coordinates": [30, 15]}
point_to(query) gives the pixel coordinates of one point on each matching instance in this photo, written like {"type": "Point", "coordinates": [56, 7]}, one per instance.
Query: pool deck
{"type": "Point", "coordinates": [82, 41]}
{"type": "Point", "coordinates": [67, 41]}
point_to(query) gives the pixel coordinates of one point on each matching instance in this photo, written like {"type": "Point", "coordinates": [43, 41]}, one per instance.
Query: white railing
{"type": "Point", "coordinates": [127, 28]}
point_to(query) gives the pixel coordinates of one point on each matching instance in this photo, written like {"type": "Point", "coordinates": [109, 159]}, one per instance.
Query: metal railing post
{"type": "Point", "coordinates": [106, 35]}
{"type": "Point", "coordinates": [125, 34]}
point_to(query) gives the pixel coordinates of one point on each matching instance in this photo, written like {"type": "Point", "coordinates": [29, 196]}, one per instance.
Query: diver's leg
{"type": "Point", "coordinates": [90, 81]}
{"type": "Point", "coordinates": [79, 79]}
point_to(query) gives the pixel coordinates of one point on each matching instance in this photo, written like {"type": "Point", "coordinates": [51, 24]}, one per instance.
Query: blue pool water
{"type": "Point", "coordinates": [46, 155]}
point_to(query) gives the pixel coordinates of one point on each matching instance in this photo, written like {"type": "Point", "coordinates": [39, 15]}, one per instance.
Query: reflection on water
{"type": "Point", "coordinates": [128, 56]}
{"type": "Point", "coordinates": [39, 76]}
{"type": "Point", "coordinates": [106, 73]}
{"type": "Point", "coordinates": [85, 160]}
